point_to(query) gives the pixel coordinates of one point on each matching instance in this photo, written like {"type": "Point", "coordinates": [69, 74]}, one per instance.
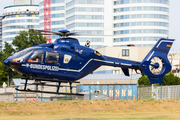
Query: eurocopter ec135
{"type": "Point", "coordinates": [66, 60]}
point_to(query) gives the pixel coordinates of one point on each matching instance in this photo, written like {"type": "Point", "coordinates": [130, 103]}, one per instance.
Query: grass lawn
{"type": "Point", "coordinates": [91, 110]}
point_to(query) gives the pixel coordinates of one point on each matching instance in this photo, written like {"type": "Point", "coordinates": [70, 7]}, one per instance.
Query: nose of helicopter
{"type": "Point", "coordinates": [6, 62]}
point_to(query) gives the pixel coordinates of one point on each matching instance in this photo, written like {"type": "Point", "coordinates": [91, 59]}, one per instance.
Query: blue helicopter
{"type": "Point", "coordinates": [66, 60]}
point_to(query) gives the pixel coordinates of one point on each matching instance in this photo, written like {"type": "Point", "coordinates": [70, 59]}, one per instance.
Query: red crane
{"type": "Point", "coordinates": [47, 18]}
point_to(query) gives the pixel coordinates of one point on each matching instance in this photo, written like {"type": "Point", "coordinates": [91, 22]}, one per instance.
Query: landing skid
{"type": "Point", "coordinates": [28, 90]}
{"type": "Point", "coordinates": [37, 80]}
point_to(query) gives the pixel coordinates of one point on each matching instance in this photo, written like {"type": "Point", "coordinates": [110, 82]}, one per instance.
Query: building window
{"type": "Point", "coordinates": [28, 15]}
{"type": "Point", "coordinates": [116, 72]}
{"type": "Point", "coordinates": [125, 52]}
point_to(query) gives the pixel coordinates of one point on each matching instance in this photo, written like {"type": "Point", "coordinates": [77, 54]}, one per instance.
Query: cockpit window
{"type": "Point", "coordinates": [51, 57]}
{"type": "Point", "coordinates": [37, 56]}
{"type": "Point", "coordinates": [21, 56]}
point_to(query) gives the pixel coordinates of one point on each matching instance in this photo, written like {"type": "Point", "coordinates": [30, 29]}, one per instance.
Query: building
{"type": "Point", "coordinates": [174, 58]}
{"type": "Point", "coordinates": [108, 22]}
{"type": "Point", "coordinates": [1, 33]}
{"type": "Point", "coordinates": [23, 2]}
{"type": "Point", "coordinates": [17, 17]}
{"type": "Point", "coordinates": [140, 22]}
{"type": "Point", "coordinates": [93, 19]}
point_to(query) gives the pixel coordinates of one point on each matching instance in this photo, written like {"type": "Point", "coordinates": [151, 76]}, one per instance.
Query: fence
{"type": "Point", "coordinates": [168, 92]}
{"type": "Point", "coordinates": [129, 92]}
{"type": "Point", "coordinates": [159, 92]}
{"type": "Point", "coordinates": [101, 91]}
{"type": "Point", "coordinates": [146, 92]}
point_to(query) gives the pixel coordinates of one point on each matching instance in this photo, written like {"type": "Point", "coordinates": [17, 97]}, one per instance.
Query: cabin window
{"type": "Point", "coordinates": [37, 57]}
{"type": "Point", "coordinates": [52, 57]}
{"type": "Point", "coordinates": [125, 52]}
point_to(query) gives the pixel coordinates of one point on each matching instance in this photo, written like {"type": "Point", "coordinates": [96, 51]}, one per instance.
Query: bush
{"type": "Point", "coordinates": [169, 79]}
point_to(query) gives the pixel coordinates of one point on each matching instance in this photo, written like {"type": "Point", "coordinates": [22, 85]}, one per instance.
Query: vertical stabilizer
{"type": "Point", "coordinates": [156, 64]}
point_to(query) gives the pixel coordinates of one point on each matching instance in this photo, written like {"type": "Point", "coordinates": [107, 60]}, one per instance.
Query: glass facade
{"type": "Point", "coordinates": [90, 32]}
{"type": "Point", "coordinates": [86, 21]}
{"type": "Point", "coordinates": [57, 22]}
{"type": "Point", "coordinates": [146, 23]}
{"type": "Point", "coordinates": [134, 31]}
{"type": "Point", "coordinates": [14, 21]}
{"type": "Point", "coordinates": [84, 25]}
{"type": "Point", "coordinates": [133, 16]}
{"type": "Point", "coordinates": [141, 8]}
{"type": "Point", "coordinates": [52, 2]}
{"type": "Point", "coordinates": [152, 19]}
{"type": "Point", "coordinates": [136, 39]}
{"type": "Point", "coordinates": [91, 39]}
{"type": "Point", "coordinates": [141, 1]}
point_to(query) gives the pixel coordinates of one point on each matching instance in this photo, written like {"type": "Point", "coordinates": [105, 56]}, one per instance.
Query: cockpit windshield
{"type": "Point", "coordinates": [21, 56]}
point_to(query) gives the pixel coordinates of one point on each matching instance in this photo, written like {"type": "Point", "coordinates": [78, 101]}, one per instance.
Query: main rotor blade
{"type": "Point", "coordinates": [92, 35]}
{"type": "Point", "coordinates": [56, 33]}
{"type": "Point", "coordinates": [34, 34]}
{"type": "Point", "coordinates": [72, 34]}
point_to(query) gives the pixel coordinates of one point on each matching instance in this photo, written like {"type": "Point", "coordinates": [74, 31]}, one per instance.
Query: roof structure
{"type": "Point", "coordinates": [111, 76]}
{"type": "Point", "coordinates": [19, 82]}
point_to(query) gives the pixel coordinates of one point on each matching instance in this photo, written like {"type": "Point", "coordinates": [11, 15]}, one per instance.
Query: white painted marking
{"type": "Point", "coordinates": [126, 64]}
{"type": "Point", "coordinates": [150, 56]}
{"type": "Point", "coordinates": [23, 64]}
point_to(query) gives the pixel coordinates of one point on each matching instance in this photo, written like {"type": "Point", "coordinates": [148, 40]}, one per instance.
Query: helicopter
{"type": "Point", "coordinates": [66, 61]}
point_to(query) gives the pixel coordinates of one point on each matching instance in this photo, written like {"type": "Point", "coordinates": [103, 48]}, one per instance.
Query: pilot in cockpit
{"type": "Point", "coordinates": [37, 57]}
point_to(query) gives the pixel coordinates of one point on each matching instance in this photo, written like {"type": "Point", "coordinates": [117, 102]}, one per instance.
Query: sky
{"type": "Point", "coordinates": [174, 19]}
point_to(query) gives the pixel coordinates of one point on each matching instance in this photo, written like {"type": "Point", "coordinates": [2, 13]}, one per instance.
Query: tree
{"type": "Point", "coordinates": [143, 80]}
{"type": "Point", "coordinates": [3, 74]}
{"type": "Point", "coordinates": [23, 41]}
{"type": "Point", "coordinates": [6, 52]}
{"type": "Point", "coordinates": [4, 70]}
{"type": "Point", "coordinates": [169, 79]}
{"type": "Point", "coordinates": [20, 42]}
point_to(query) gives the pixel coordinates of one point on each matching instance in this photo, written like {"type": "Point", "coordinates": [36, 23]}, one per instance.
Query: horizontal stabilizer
{"type": "Point", "coordinates": [125, 71]}
{"type": "Point", "coordinates": [156, 80]}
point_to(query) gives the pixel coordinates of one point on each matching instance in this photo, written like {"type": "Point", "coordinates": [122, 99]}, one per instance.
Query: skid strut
{"type": "Point", "coordinates": [38, 81]}
{"type": "Point", "coordinates": [58, 87]}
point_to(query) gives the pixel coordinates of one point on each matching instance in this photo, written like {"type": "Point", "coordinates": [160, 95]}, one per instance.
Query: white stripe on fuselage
{"type": "Point", "coordinates": [87, 64]}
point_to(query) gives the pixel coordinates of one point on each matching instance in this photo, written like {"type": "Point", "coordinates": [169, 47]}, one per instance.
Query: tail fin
{"type": "Point", "coordinates": [156, 64]}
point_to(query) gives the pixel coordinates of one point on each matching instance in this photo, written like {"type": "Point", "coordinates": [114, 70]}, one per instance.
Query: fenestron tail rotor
{"type": "Point", "coordinates": [156, 65]}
